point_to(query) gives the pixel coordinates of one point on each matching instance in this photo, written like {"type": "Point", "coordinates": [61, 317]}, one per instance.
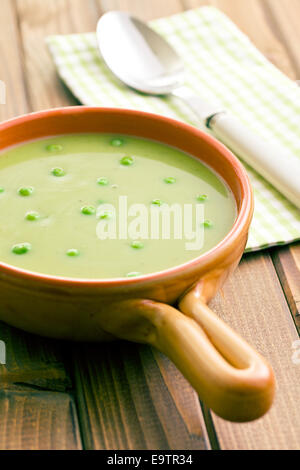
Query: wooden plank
{"type": "Point", "coordinates": [37, 20]}
{"type": "Point", "coordinates": [29, 419]}
{"type": "Point", "coordinates": [254, 305]}
{"type": "Point", "coordinates": [284, 19]}
{"type": "Point", "coordinates": [133, 398]}
{"type": "Point", "coordinates": [31, 360]}
{"type": "Point", "coordinates": [250, 17]}
{"type": "Point", "coordinates": [277, 335]}
{"type": "Point", "coordinates": [145, 10]}
{"type": "Point", "coordinates": [257, 23]}
{"type": "Point", "coordinates": [38, 421]}
{"type": "Point", "coordinates": [287, 264]}
{"type": "Point", "coordinates": [285, 328]}
{"type": "Point", "coordinates": [11, 72]}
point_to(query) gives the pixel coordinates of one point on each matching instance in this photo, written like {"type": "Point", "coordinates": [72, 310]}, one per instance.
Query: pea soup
{"type": "Point", "coordinates": [55, 192]}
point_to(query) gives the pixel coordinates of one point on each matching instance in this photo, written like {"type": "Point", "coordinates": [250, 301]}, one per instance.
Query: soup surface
{"type": "Point", "coordinates": [58, 195]}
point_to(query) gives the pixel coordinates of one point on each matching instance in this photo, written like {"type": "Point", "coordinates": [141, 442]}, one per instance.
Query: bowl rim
{"type": "Point", "coordinates": [208, 258]}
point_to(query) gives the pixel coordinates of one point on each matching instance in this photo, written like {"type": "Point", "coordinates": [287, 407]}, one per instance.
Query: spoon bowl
{"type": "Point", "coordinates": [139, 56]}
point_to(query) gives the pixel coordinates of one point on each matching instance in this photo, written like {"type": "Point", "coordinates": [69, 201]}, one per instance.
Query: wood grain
{"type": "Point", "coordinates": [30, 359]}
{"type": "Point", "coordinates": [284, 19]}
{"type": "Point", "coordinates": [250, 17]}
{"type": "Point", "coordinates": [38, 421]}
{"type": "Point", "coordinates": [33, 361]}
{"type": "Point", "coordinates": [11, 71]}
{"type": "Point", "coordinates": [131, 397]}
{"type": "Point", "coordinates": [254, 305]}
{"type": "Point", "coordinates": [38, 19]}
{"type": "Point", "coordinates": [287, 264]}
{"type": "Point", "coordinates": [31, 417]}
{"type": "Point", "coordinates": [145, 9]}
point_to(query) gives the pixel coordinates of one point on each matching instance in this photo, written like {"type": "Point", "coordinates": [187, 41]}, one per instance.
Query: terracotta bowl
{"type": "Point", "coordinates": [229, 376]}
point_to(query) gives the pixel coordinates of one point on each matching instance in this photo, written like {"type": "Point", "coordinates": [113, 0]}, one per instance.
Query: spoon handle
{"type": "Point", "coordinates": [270, 160]}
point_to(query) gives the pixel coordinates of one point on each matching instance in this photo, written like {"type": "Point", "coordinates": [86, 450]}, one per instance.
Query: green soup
{"type": "Point", "coordinates": [68, 206]}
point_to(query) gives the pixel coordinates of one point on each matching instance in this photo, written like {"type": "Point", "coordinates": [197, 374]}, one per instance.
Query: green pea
{"type": "Point", "coordinates": [25, 192]}
{"type": "Point", "coordinates": [117, 142]}
{"type": "Point", "coordinates": [137, 244]}
{"type": "Point", "coordinates": [133, 274]}
{"type": "Point", "coordinates": [21, 248]}
{"type": "Point", "coordinates": [103, 181]}
{"type": "Point", "coordinates": [105, 215]}
{"type": "Point", "coordinates": [54, 148]}
{"type": "Point", "coordinates": [207, 223]}
{"type": "Point", "coordinates": [73, 252]}
{"type": "Point", "coordinates": [1, 189]}
{"type": "Point", "coordinates": [88, 210]}
{"type": "Point", "coordinates": [32, 216]}
{"type": "Point", "coordinates": [58, 172]}
{"type": "Point", "coordinates": [202, 197]}
{"type": "Point", "coordinates": [127, 161]}
{"type": "Point", "coordinates": [170, 180]}
{"type": "Point", "coordinates": [157, 202]}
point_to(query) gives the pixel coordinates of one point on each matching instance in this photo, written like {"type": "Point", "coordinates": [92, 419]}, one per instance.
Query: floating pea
{"type": "Point", "coordinates": [58, 172]}
{"type": "Point", "coordinates": [25, 192]}
{"type": "Point", "coordinates": [137, 244]}
{"type": "Point", "coordinates": [207, 223]}
{"type": "Point", "coordinates": [105, 215]}
{"type": "Point", "coordinates": [170, 180]}
{"type": "Point", "coordinates": [88, 210]}
{"type": "Point", "coordinates": [117, 142]}
{"type": "Point", "coordinates": [32, 216]}
{"type": "Point", "coordinates": [133, 274]}
{"type": "Point", "coordinates": [73, 252]}
{"type": "Point", "coordinates": [2, 189]}
{"type": "Point", "coordinates": [21, 248]}
{"type": "Point", "coordinates": [202, 197]}
{"type": "Point", "coordinates": [103, 181]}
{"type": "Point", "coordinates": [157, 202]}
{"type": "Point", "coordinates": [54, 148]}
{"type": "Point", "coordinates": [127, 161]}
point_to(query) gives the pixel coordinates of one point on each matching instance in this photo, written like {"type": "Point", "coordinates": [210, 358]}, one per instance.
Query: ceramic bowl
{"type": "Point", "coordinates": [168, 309]}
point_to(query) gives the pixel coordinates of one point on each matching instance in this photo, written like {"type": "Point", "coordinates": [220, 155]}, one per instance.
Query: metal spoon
{"type": "Point", "coordinates": [145, 61]}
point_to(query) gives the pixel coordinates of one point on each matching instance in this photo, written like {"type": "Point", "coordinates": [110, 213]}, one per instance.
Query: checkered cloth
{"type": "Point", "coordinates": [223, 66]}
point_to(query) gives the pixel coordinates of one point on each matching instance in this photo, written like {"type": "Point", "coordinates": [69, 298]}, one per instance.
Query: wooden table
{"type": "Point", "coordinates": [55, 395]}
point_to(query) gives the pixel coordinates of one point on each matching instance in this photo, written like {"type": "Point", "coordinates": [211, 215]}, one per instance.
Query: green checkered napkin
{"type": "Point", "coordinates": [224, 67]}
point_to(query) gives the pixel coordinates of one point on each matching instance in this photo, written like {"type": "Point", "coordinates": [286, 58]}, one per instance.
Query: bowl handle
{"type": "Point", "coordinates": [230, 377]}
{"type": "Point", "coordinates": [235, 381]}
